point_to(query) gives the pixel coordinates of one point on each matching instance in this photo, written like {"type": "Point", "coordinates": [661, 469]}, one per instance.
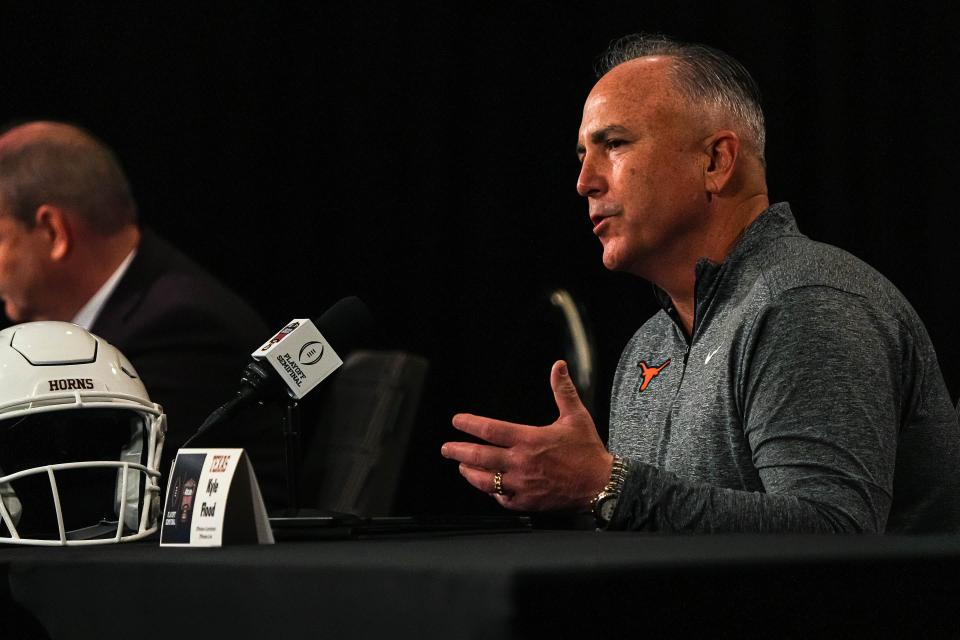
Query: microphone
{"type": "Point", "coordinates": [304, 353]}
{"type": "Point", "coordinates": [298, 358]}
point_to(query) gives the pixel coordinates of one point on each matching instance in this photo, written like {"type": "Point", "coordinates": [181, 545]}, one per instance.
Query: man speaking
{"type": "Point", "coordinates": [785, 386]}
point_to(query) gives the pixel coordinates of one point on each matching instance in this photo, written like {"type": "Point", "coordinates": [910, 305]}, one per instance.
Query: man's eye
{"type": "Point", "coordinates": [613, 143]}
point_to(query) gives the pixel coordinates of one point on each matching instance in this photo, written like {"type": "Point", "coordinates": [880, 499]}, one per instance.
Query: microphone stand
{"type": "Point", "coordinates": [255, 383]}
{"type": "Point", "coordinates": [290, 425]}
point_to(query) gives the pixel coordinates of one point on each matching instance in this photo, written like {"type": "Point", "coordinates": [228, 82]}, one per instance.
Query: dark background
{"type": "Point", "coordinates": [421, 156]}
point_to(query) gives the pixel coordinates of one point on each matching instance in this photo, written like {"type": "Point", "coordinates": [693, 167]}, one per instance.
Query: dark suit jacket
{"type": "Point", "coordinates": [189, 338]}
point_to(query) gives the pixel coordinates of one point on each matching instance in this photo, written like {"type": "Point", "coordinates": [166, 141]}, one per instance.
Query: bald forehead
{"type": "Point", "coordinates": [645, 77]}
{"type": "Point", "coordinates": [637, 90]}
{"type": "Point", "coordinates": [41, 130]}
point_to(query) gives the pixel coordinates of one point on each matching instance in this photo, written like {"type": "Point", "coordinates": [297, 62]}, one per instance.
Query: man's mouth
{"type": "Point", "coordinates": [601, 221]}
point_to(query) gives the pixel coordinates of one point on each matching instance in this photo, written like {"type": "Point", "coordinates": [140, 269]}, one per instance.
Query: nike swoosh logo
{"type": "Point", "coordinates": [710, 355]}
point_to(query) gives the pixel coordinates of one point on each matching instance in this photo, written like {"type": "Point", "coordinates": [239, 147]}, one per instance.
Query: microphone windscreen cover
{"type": "Point", "coordinates": [346, 325]}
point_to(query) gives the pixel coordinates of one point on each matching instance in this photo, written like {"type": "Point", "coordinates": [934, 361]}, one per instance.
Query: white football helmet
{"type": "Point", "coordinates": [74, 418]}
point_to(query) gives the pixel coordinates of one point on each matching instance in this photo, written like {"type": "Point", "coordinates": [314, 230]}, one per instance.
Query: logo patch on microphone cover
{"type": "Point", "coordinates": [311, 352]}
{"type": "Point", "coordinates": [287, 330]}
{"type": "Point", "coordinates": [649, 373]}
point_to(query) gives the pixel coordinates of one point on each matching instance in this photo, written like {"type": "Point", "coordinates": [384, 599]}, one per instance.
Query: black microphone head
{"type": "Point", "coordinates": [346, 325]}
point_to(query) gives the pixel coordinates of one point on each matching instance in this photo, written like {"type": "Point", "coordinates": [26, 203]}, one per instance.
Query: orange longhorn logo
{"type": "Point", "coordinates": [649, 373]}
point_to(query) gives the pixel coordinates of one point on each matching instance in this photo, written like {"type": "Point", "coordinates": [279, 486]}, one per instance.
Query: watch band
{"type": "Point", "coordinates": [611, 492]}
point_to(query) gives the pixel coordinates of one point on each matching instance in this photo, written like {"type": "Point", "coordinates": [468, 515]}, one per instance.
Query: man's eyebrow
{"type": "Point", "coordinates": [602, 134]}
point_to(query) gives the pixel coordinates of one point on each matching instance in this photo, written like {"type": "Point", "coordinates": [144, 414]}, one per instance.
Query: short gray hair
{"type": "Point", "coordinates": [66, 166]}
{"type": "Point", "coordinates": [702, 75]}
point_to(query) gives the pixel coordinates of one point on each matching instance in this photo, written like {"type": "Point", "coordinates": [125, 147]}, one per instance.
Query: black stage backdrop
{"type": "Point", "coordinates": [422, 156]}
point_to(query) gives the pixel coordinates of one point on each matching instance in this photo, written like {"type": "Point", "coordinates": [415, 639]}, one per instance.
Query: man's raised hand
{"type": "Point", "coordinates": [560, 466]}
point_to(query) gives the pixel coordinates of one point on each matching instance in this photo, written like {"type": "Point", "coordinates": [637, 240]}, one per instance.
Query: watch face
{"type": "Point", "coordinates": [606, 505]}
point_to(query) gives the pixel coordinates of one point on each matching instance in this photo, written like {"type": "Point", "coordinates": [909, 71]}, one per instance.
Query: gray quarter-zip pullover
{"type": "Point", "coordinates": [808, 398]}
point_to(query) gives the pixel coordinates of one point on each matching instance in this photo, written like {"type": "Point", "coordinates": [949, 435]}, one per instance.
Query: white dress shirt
{"type": "Point", "coordinates": [89, 312]}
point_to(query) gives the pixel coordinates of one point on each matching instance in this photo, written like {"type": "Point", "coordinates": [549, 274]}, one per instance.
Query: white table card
{"type": "Point", "coordinates": [203, 484]}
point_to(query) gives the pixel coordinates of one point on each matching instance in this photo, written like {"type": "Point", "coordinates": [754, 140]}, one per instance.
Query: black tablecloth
{"type": "Point", "coordinates": [496, 585]}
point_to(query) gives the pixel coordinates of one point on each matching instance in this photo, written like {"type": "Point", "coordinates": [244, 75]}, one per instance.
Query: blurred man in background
{"type": "Point", "coordinates": [71, 249]}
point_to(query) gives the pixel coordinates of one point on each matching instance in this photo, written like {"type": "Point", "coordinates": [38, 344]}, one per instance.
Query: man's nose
{"type": "Point", "coordinates": [591, 181]}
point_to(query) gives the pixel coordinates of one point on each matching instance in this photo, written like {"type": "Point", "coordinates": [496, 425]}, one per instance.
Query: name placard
{"type": "Point", "coordinates": [203, 483]}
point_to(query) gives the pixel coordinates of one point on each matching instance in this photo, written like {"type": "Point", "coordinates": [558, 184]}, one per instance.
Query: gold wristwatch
{"type": "Point", "coordinates": [605, 502]}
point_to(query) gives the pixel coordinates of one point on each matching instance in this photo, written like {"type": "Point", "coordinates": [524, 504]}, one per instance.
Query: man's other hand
{"type": "Point", "coordinates": [561, 466]}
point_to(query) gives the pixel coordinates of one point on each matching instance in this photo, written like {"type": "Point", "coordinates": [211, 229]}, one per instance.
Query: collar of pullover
{"type": "Point", "coordinates": [775, 221]}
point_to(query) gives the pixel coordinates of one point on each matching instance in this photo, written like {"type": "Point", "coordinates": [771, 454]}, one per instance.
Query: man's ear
{"type": "Point", "coordinates": [55, 226]}
{"type": "Point", "coordinates": [723, 150]}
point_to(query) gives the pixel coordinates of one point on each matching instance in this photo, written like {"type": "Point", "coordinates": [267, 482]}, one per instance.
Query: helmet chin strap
{"type": "Point", "coordinates": [133, 452]}
{"type": "Point", "coordinates": [10, 507]}
{"type": "Point", "coordinates": [95, 532]}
